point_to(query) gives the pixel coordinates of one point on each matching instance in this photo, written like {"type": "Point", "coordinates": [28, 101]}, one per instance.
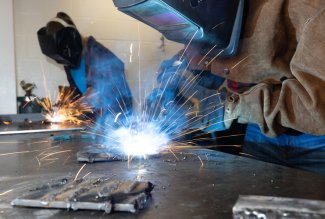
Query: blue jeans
{"type": "Point", "coordinates": [302, 151]}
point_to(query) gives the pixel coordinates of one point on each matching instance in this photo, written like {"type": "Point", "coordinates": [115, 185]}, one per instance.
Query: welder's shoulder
{"type": "Point", "coordinates": [301, 12]}
{"type": "Point", "coordinates": [99, 52]}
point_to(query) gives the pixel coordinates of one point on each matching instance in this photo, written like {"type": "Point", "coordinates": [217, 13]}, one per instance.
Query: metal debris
{"type": "Point", "coordinates": [100, 194]}
{"type": "Point", "coordinates": [104, 154]}
{"type": "Point", "coordinates": [99, 154]}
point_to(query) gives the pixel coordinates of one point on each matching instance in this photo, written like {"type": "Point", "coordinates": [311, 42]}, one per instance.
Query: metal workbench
{"type": "Point", "coordinates": [21, 131]}
{"type": "Point", "coordinates": [184, 188]}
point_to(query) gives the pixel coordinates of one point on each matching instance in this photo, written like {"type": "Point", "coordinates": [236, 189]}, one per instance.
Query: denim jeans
{"type": "Point", "coordinates": [302, 151]}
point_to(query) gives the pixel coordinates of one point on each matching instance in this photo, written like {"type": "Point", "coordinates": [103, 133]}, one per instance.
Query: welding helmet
{"type": "Point", "coordinates": [212, 25]}
{"type": "Point", "coordinates": [64, 45]}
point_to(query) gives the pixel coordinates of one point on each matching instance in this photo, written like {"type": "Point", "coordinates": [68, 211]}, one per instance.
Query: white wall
{"type": "Point", "coordinates": [98, 18]}
{"type": "Point", "coordinates": [7, 59]}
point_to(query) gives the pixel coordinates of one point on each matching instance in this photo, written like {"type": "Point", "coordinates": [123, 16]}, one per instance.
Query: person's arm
{"type": "Point", "coordinates": [185, 99]}
{"type": "Point", "coordinates": [106, 77]}
{"type": "Point", "coordinates": [297, 103]}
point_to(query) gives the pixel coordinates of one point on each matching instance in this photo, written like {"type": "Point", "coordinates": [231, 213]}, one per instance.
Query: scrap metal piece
{"type": "Point", "coordinates": [262, 207]}
{"type": "Point", "coordinates": [132, 204]}
{"type": "Point", "coordinates": [100, 194]}
{"type": "Point", "coordinates": [103, 154]}
{"type": "Point", "coordinates": [99, 154]}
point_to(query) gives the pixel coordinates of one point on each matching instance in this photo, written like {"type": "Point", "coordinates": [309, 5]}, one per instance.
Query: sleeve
{"type": "Point", "coordinates": [106, 78]}
{"type": "Point", "coordinates": [297, 103]}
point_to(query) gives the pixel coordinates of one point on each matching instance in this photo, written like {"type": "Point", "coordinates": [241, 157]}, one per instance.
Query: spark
{"type": "Point", "coordinates": [160, 98]}
{"type": "Point", "coordinates": [238, 63]}
{"type": "Point", "coordinates": [139, 64]}
{"type": "Point", "coordinates": [230, 145]}
{"type": "Point", "coordinates": [131, 52]}
{"type": "Point", "coordinates": [125, 108]}
{"type": "Point", "coordinates": [39, 142]}
{"type": "Point", "coordinates": [171, 151]}
{"type": "Point", "coordinates": [183, 104]}
{"type": "Point", "coordinates": [229, 136]}
{"type": "Point", "coordinates": [79, 172]}
{"type": "Point", "coordinates": [189, 84]}
{"type": "Point", "coordinates": [200, 160]}
{"type": "Point", "coordinates": [217, 94]}
{"type": "Point", "coordinates": [249, 155]}
{"type": "Point", "coordinates": [18, 152]}
{"type": "Point", "coordinates": [184, 71]}
{"type": "Point", "coordinates": [47, 164]}
{"type": "Point", "coordinates": [207, 54]}
{"type": "Point", "coordinates": [122, 110]}
{"type": "Point", "coordinates": [196, 116]}
{"type": "Point", "coordinates": [38, 161]}
{"type": "Point", "coordinates": [67, 108]}
{"type": "Point", "coordinates": [6, 192]}
{"type": "Point", "coordinates": [218, 25]}
{"type": "Point", "coordinates": [86, 175]}
{"type": "Point", "coordinates": [11, 142]}
{"type": "Point", "coordinates": [215, 57]}
{"type": "Point", "coordinates": [225, 120]}
{"type": "Point", "coordinates": [141, 139]}
{"type": "Point", "coordinates": [51, 154]}
{"type": "Point", "coordinates": [117, 116]}
{"type": "Point", "coordinates": [189, 43]}
{"type": "Point", "coordinates": [66, 160]}
{"type": "Point", "coordinates": [114, 114]}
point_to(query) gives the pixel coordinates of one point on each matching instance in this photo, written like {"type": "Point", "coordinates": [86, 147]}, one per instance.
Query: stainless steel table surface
{"type": "Point", "coordinates": [37, 127]}
{"type": "Point", "coordinates": [184, 188]}
{"type": "Point", "coordinates": [36, 130]}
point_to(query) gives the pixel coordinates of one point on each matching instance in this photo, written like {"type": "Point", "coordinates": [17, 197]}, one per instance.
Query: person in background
{"type": "Point", "coordinates": [275, 81]}
{"type": "Point", "coordinates": [92, 70]}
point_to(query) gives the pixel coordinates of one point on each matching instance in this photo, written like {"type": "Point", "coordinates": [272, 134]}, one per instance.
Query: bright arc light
{"type": "Point", "coordinates": [143, 140]}
{"type": "Point", "coordinates": [55, 118]}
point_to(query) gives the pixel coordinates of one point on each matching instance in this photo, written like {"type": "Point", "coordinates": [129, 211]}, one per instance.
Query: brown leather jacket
{"type": "Point", "coordinates": [283, 54]}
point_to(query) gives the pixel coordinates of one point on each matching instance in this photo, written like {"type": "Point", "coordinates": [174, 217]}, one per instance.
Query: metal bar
{"type": "Point", "coordinates": [248, 207]}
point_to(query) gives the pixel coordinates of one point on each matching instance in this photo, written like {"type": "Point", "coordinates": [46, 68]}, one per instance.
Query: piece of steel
{"type": "Point", "coordinates": [99, 194]}
{"type": "Point", "coordinates": [18, 131]}
{"type": "Point", "coordinates": [248, 207]}
{"type": "Point", "coordinates": [15, 129]}
{"type": "Point", "coordinates": [100, 154]}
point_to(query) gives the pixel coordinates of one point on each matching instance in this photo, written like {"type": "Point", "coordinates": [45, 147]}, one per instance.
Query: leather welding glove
{"type": "Point", "coordinates": [183, 102]}
{"type": "Point", "coordinates": [207, 105]}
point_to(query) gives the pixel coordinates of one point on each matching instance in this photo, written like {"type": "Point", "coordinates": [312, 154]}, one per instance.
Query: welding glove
{"type": "Point", "coordinates": [185, 100]}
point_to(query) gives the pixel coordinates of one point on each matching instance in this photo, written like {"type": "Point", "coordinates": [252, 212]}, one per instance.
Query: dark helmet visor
{"type": "Point", "coordinates": [210, 23]}
{"type": "Point", "coordinates": [64, 46]}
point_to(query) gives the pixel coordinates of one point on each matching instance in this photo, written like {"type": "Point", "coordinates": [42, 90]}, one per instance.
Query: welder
{"type": "Point", "coordinates": [93, 71]}
{"type": "Point", "coordinates": [263, 59]}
